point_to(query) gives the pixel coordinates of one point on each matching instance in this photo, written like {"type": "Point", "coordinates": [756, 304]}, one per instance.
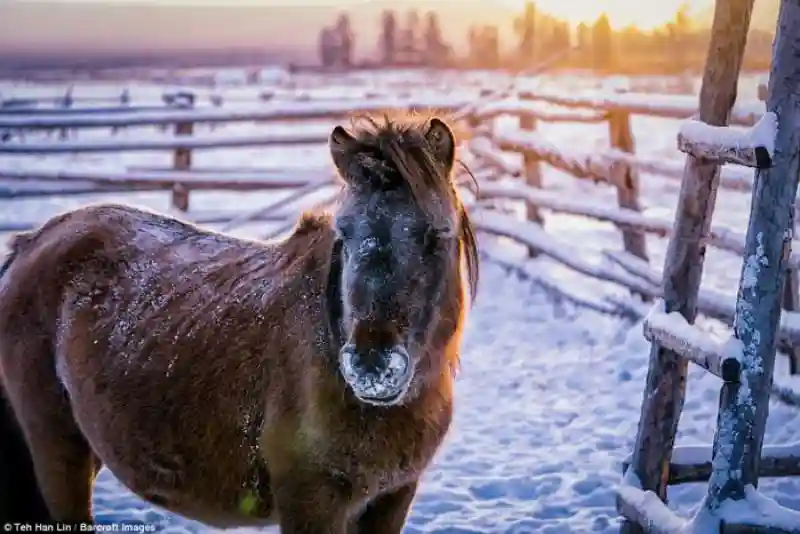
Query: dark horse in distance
{"type": "Point", "coordinates": [306, 382]}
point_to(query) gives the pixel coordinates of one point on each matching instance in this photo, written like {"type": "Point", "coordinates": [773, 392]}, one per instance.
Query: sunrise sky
{"type": "Point", "coordinates": [642, 13]}
{"type": "Point", "coordinates": [43, 25]}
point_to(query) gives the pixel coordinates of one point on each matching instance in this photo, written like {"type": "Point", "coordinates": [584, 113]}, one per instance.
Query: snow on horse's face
{"type": "Point", "coordinates": [400, 229]}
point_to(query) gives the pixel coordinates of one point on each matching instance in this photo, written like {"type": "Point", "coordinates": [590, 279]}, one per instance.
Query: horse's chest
{"type": "Point", "coordinates": [373, 467]}
{"type": "Point", "coordinates": [363, 482]}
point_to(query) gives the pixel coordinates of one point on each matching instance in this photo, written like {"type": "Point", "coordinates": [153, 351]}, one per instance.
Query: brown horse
{"type": "Point", "coordinates": [306, 383]}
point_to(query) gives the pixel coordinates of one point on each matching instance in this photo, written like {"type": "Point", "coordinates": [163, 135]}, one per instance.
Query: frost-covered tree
{"type": "Point", "coordinates": [388, 39]}
{"type": "Point", "coordinates": [344, 34]}
{"type": "Point", "coordinates": [525, 26]}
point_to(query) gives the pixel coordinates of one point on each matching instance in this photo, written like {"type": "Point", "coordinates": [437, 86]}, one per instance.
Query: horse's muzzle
{"type": "Point", "coordinates": [377, 376]}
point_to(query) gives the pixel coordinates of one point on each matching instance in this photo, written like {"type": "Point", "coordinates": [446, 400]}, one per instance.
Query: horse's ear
{"type": "Point", "coordinates": [339, 142]}
{"type": "Point", "coordinates": [443, 142]}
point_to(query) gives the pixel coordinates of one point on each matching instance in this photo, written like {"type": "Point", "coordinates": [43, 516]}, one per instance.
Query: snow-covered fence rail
{"type": "Point", "coordinates": [84, 110]}
{"type": "Point", "coordinates": [252, 180]}
{"type": "Point", "coordinates": [182, 140]}
{"type": "Point", "coordinates": [268, 112]}
{"type": "Point", "coordinates": [666, 106]}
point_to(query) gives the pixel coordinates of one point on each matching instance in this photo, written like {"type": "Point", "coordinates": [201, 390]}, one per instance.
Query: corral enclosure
{"type": "Point", "coordinates": [554, 362]}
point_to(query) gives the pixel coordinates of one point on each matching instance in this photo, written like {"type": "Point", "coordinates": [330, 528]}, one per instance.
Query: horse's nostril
{"type": "Point", "coordinates": [398, 361]}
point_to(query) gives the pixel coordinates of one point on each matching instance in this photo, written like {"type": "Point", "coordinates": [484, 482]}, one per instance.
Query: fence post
{"type": "Point", "coordinates": [124, 101]}
{"type": "Point", "coordinates": [665, 389]}
{"type": "Point", "coordinates": [66, 103]}
{"type": "Point", "coordinates": [626, 179]}
{"type": "Point", "coordinates": [791, 289]}
{"type": "Point", "coordinates": [761, 90]}
{"type": "Point", "coordinates": [182, 159]}
{"type": "Point", "coordinates": [744, 404]}
{"type": "Point", "coordinates": [791, 302]}
{"type": "Point", "coordinates": [533, 175]}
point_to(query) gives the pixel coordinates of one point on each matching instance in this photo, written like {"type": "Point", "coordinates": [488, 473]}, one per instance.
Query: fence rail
{"type": "Point", "coordinates": [267, 112]}
{"type": "Point", "coordinates": [618, 166]}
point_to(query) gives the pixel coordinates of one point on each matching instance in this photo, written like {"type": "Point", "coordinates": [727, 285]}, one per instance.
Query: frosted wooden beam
{"type": "Point", "coordinates": [165, 143]}
{"type": "Point", "coordinates": [557, 289]}
{"type": "Point", "coordinates": [483, 149]}
{"type": "Point", "coordinates": [67, 112]}
{"type": "Point", "coordinates": [241, 181]}
{"type": "Point", "coordinates": [784, 393]}
{"type": "Point", "coordinates": [286, 227]}
{"type": "Point", "coordinates": [692, 463]}
{"type": "Point", "coordinates": [673, 332]}
{"type": "Point", "coordinates": [648, 511]}
{"type": "Point", "coordinates": [534, 237]}
{"type": "Point", "coordinates": [648, 104]}
{"type": "Point", "coordinates": [737, 178]}
{"type": "Point", "coordinates": [521, 108]}
{"type": "Point", "coordinates": [723, 238]}
{"type": "Point", "coordinates": [762, 88]}
{"type": "Point", "coordinates": [278, 111]}
{"type": "Point", "coordinates": [44, 188]}
{"type": "Point", "coordinates": [633, 265]}
{"type": "Point", "coordinates": [275, 205]}
{"type": "Point", "coordinates": [723, 144]}
{"type": "Point", "coordinates": [755, 513]}
{"type": "Point", "coordinates": [581, 164]}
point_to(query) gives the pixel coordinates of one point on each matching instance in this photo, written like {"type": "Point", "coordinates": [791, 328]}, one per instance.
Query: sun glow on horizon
{"type": "Point", "coordinates": [621, 13]}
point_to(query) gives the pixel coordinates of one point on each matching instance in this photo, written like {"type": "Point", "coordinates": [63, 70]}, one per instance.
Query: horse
{"type": "Point", "coordinates": [305, 382]}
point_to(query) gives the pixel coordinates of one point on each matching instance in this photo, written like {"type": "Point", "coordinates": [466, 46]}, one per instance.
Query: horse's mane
{"type": "Point", "coordinates": [397, 152]}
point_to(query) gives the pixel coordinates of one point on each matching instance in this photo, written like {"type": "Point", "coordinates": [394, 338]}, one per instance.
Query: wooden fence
{"type": "Point", "coordinates": [618, 167]}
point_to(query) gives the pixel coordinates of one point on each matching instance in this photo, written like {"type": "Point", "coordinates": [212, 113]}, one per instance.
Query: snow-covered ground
{"type": "Point", "coordinates": [548, 396]}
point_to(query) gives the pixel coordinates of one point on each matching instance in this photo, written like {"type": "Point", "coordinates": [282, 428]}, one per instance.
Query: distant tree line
{"type": "Point", "coordinates": [336, 43]}
{"type": "Point", "coordinates": [418, 41]}
{"type": "Point", "coordinates": [414, 42]}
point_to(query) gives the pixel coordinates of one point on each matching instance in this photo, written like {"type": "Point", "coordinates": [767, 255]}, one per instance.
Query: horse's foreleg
{"type": "Point", "coordinates": [62, 459]}
{"type": "Point", "coordinates": [310, 505]}
{"type": "Point", "coordinates": [20, 498]}
{"type": "Point", "coordinates": [65, 468]}
{"type": "Point", "coordinates": [387, 514]}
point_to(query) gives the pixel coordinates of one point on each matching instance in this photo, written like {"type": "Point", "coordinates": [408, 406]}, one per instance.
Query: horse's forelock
{"type": "Point", "coordinates": [400, 148]}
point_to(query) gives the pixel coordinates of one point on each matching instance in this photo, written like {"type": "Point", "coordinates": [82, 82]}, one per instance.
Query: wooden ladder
{"type": "Point", "coordinates": [745, 363]}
